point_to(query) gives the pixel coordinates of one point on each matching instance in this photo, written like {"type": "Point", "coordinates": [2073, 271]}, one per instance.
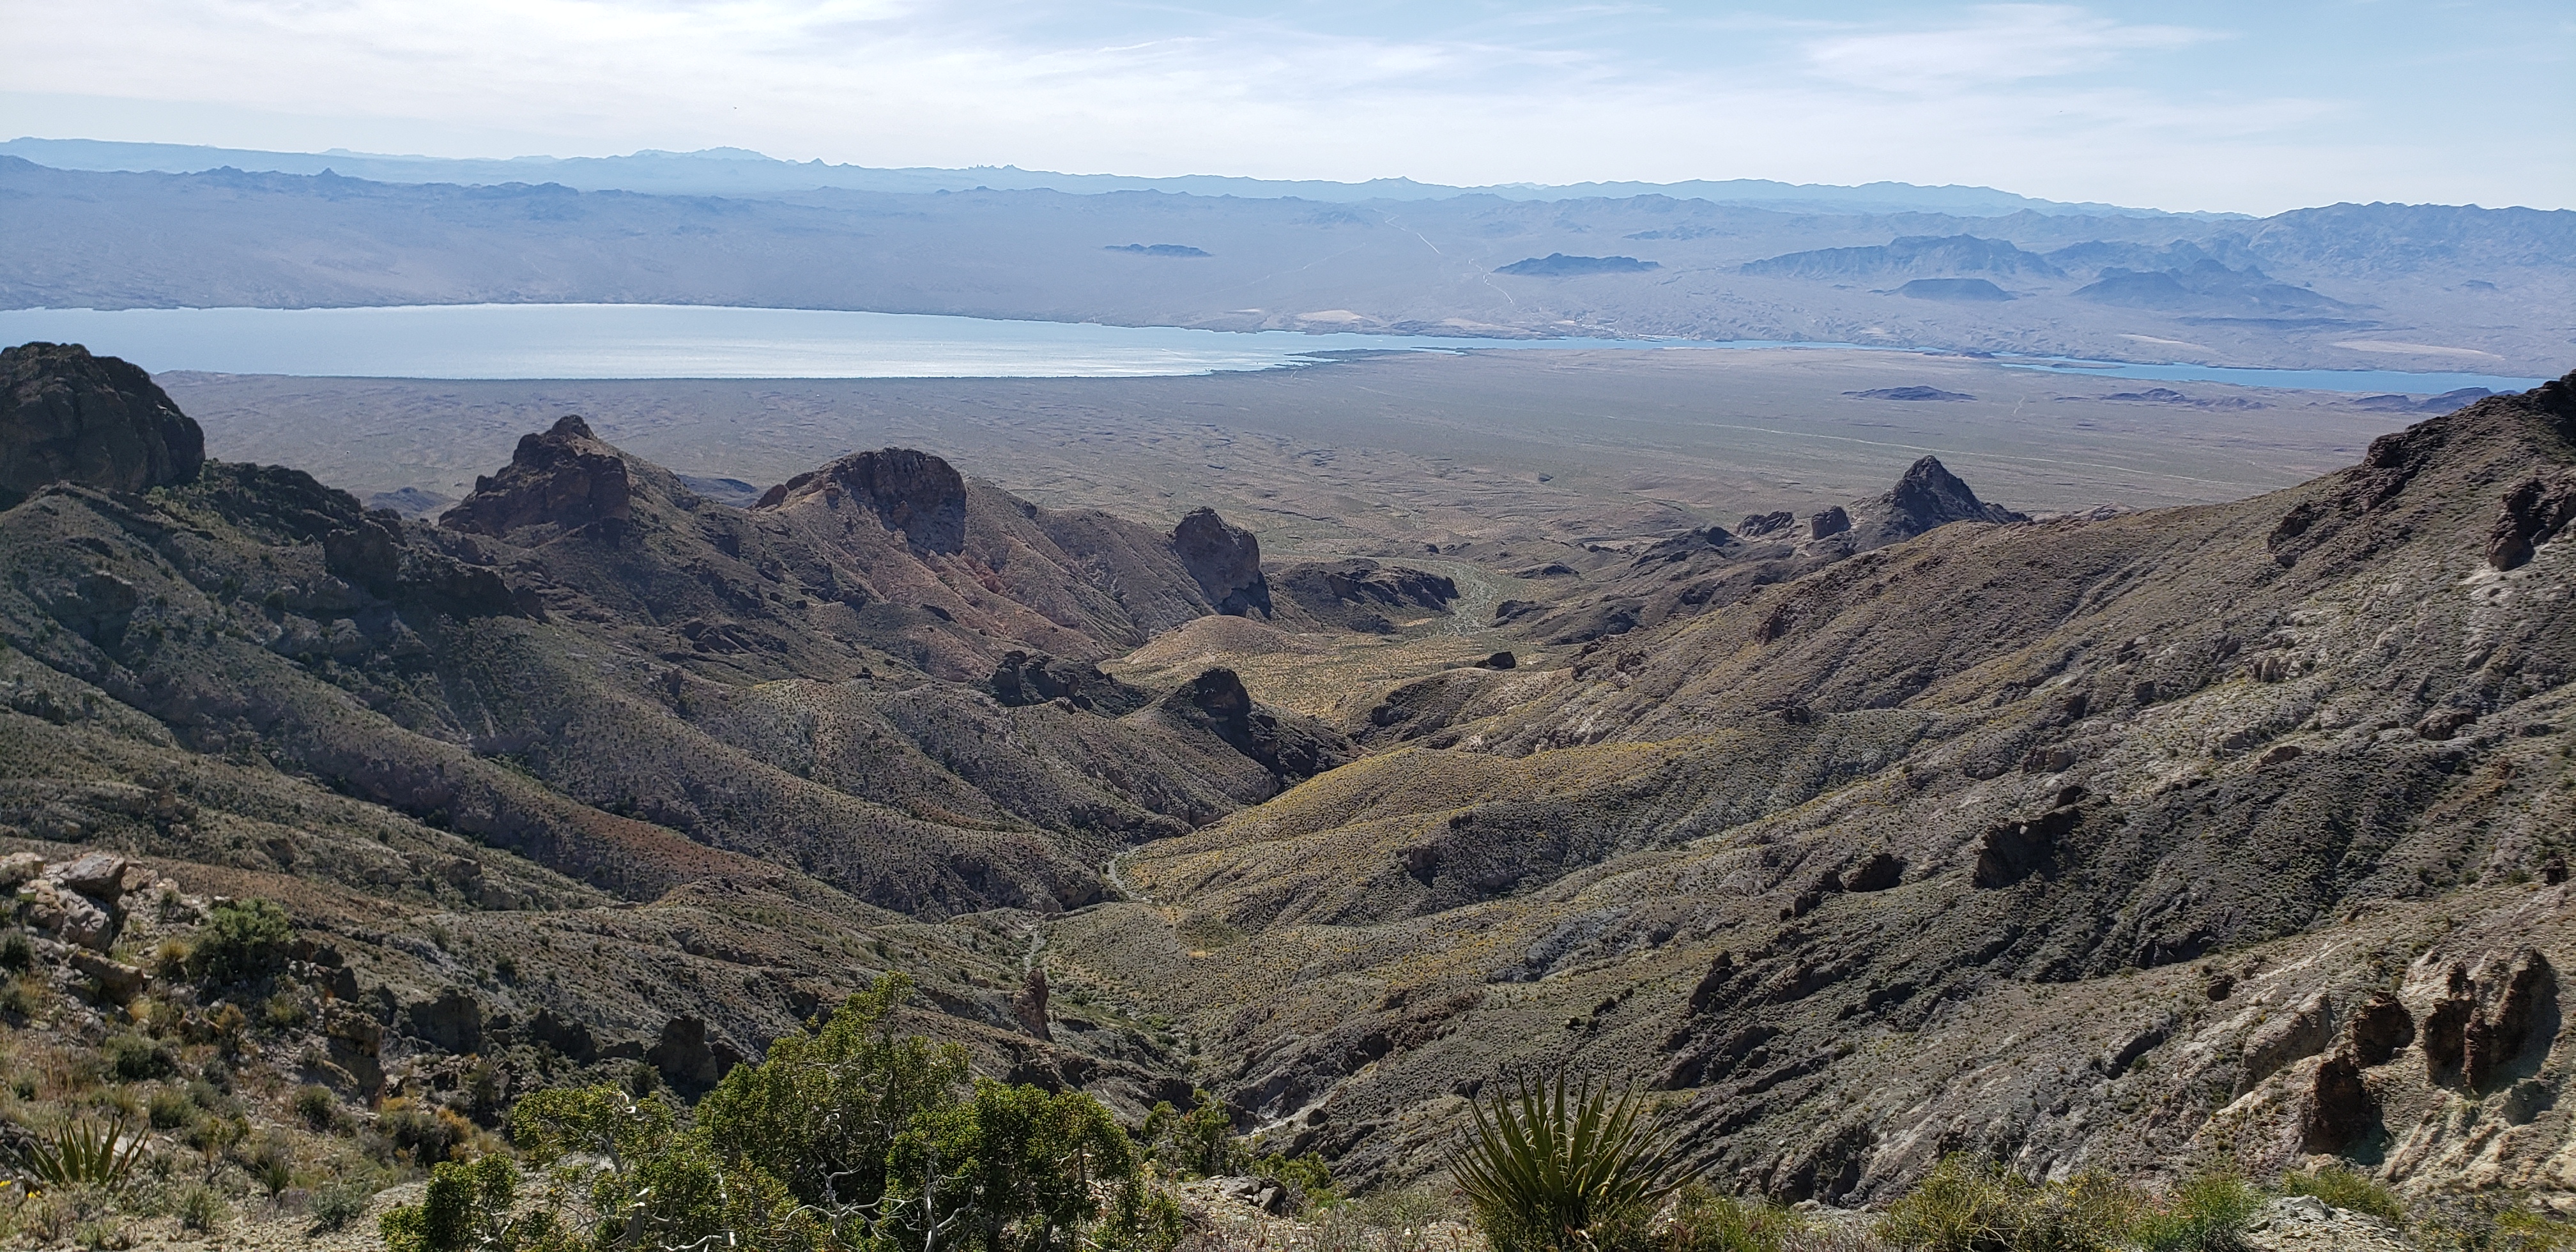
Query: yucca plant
{"type": "Point", "coordinates": [82, 1154]}
{"type": "Point", "coordinates": [1552, 1165]}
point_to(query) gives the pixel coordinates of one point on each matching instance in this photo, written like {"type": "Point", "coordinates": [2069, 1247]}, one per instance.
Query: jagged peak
{"type": "Point", "coordinates": [68, 416]}
{"type": "Point", "coordinates": [564, 477]}
{"type": "Point", "coordinates": [914, 492]}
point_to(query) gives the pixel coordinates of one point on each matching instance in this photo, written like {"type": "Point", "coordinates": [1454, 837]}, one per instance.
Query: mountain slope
{"type": "Point", "coordinates": [2079, 842]}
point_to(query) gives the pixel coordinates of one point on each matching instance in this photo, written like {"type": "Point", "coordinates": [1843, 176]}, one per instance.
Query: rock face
{"type": "Point", "coordinates": [67, 416]}
{"type": "Point", "coordinates": [1358, 594]}
{"type": "Point", "coordinates": [1029, 1006]}
{"type": "Point", "coordinates": [564, 478]}
{"type": "Point", "coordinates": [1226, 561]}
{"type": "Point", "coordinates": [914, 492]}
{"type": "Point", "coordinates": [2533, 513]}
{"type": "Point", "coordinates": [1026, 678]}
{"type": "Point", "coordinates": [1291, 748]}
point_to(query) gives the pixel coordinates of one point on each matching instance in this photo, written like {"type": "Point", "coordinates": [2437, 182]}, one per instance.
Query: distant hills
{"type": "Point", "coordinates": [2406, 287]}
{"type": "Point", "coordinates": [741, 172]}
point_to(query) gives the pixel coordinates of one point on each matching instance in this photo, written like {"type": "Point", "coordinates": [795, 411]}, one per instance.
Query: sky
{"type": "Point", "coordinates": [2183, 104]}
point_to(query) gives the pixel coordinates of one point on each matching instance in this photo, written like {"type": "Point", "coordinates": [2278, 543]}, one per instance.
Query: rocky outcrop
{"type": "Point", "coordinates": [1929, 496]}
{"type": "Point", "coordinates": [67, 416]}
{"type": "Point", "coordinates": [565, 478]}
{"type": "Point", "coordinates": [1761, 525]}
{"type": "Point", "coordinates": [1029, 1005]}
{"type": "Point", "coordinates": [1292, 748]}
{"type": "Point", "coordinates": [1358, 594]}
{"type": "Point", "coordinates": [2533, 513]}
{"type": "Point", "coordinates": [1026, 678]}
{"type": "Point", "coordinates": [689, 1059]}
{"type": "Point", "coordinates": [2013, 850]}
{"type": "Point", "coordinates": [912, 492]}
{"type": "Point", "coordinates": [1225, 559]}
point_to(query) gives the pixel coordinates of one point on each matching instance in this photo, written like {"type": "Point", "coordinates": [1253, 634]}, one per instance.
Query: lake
{"type": "Point", "coordinates": [704, 341]}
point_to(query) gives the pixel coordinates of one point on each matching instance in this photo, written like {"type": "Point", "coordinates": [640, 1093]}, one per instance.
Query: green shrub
{"type": "Point", "coordinates": [169, 1109]}
{"type": "Point", "coordinates": [1307, 1175]}
{"type": "Point", "coordinates": [2347, 1189]}
{"type": "Point", "coordinates": [317, 1108]}
{"type": "Point", "coordinates": [848, 1135]}
{"type": "Point", "coordinates": [337, 1205]}
{"type": "Point", "coordinates": [242, 941]}
{"type": "Point", "coordinates": [17, 954]}
{"type": "Point", "coordinates": [284, 1011]}
{"type": "Point", "coordinates": [467, 1206]}
{"type": "Point", "coordinates": [2204, 1214]}
{"type": "Point", "coordinates": [271, 1164]}
{"type": "Point", "coordinates": [426, 1136]}
{"type": "Point", "coordinates": [202, 1209]}
{"type": "Point", "coordinates": [1970, 1205]}
{"type": "Point", "coordinates": [1704, 1221]}
{"type": "Point", "coordinates": [134, 1058]}
{"type": "Point", "coordinates": [2491, 1223]}
{"type": "Point", "coordinates": [1551, 1165]}
{"type": "Point", "coordinates": [1197, 1144]}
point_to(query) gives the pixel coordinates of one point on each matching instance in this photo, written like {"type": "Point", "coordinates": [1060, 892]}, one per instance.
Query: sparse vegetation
{"type": "Point", "coordinates": [242, 940]}
{"type": "Point", "coordinates": [2346, 1189]}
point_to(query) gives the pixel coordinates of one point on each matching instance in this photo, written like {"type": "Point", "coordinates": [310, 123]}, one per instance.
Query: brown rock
{"type": "Point", "coordinates": [1831, 522]}
{"type": "Point", "coordinates": [2340, 1109]}
{"type": "Point", "coordinates": [2534, 511]}
{"type": "Point", "coordinates": [912, 492]}
{"type": "Point", "coordinates": [1878, 872]}
{"type": "Point", "coordinates": [67, 416]}
{"type": "Point", "coordinates": [19, 867]}
{"type": "Point", "coordinates": [565, 477]}
{"type": "Point", "coordinates": [1029, 1006]}
{"type": "Point", "coordinates": [689, 1059]}
{"type": "Point", "coordinates": [117, 981]}
{"type": "Point", "coordinates": [2379, 1028]}
{"type": "Point", "coordinates": [71, 916]}
{"type": "Point", "coordinates": [1226, 562]}
{"type": "Point", "coordinates": [2515, 997]}
{"type": "Point", "coordinates": [98, 875]}
{"type": "Point", "coordinates": [2303, 1033]}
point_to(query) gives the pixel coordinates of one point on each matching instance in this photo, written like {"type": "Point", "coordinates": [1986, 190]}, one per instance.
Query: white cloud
{"type": "Point", "coordinates": [2048, 100]}
{"type": "Point", "coordinates": [2001, 43]}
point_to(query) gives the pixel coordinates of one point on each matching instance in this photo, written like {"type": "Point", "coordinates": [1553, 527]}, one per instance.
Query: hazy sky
{"type": "Point", "coordinates": [2250, 105]}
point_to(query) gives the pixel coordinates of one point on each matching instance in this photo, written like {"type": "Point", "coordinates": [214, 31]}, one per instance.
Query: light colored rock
{"type": "Point", "coordinates": [118, 980]}
{"type": "Point", "coordinates": [98, 875]}
{"type": "Point", "coordinates": [71, 916]}
{"type": "Point", "coordinates": [18, 868]}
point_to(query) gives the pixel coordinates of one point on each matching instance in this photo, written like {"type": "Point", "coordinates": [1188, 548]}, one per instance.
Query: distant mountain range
{"type": "Point", "coordinates": [741, 172]}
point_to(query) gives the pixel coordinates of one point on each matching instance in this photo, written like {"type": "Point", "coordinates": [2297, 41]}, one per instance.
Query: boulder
{"type": "Point", "coordinates": [98, 875]}
{"type": "Point", "coordinates": [2517, 994]}
{"type": "Point", "coordinates": [67, 416]}
{"type": "Point", "coordinates": [1225, 561]}
{"type": "Point", "coordinates": [17, 868]}
{"type": "Point", "coordinates": [452, 1020]}
{"type": "Point", "coordinates": [1877, 872]}
{"type": "Point", "coordinates": [2340, 1110]}
{"type": "Point", "coordinates": [2379, 1028]}
{"type": "Point", "coordinates": [2302, 1033]}
{"type": "Point", "coordinates": [117, 981]}
{"type": "Point", "coordinates": [71, 916]}
{"type": "Point", "coordinates": [690, 1060]}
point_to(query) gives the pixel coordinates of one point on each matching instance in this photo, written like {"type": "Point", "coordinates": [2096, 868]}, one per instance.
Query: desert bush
{"type": "Point", "coordinates": [1703, 1221]}
{"type": "Point", "coordinates": [317, 1108]}
{"type": "Point", "coordinates": [134, 1058]}
{"type": "Point", "coordinates": [203, 1209]}
{"type": "Point", "coordinates": [17, 953]}
{"type": "Point", "coordinates": [1308, 1176]}
{"type": "Point", "coordinates": [2491, 1223]}
{"type": "Point", "coordinates": [1197, 1144]}
{"type": "Point", "coordinates": [2207, 1213]}
{"type": "Point", "coordinates": [242, 940]}
{"type": "Point", "coordinates": [284, 1011]}
{"type": "Point", "coordinates": [415, 1132]}
{"type": "Point", "coordinates": [340, 1203]}
{"type": "Point", "coordinates": [1552, 1165]}
{"type": "Point", "coordinates": [2347, 1189]}
{"type": "Point", "coordinates": [467, 1206]}
{"type": "Point", "coordinates": [169, 1109]}
{"type": "Point", "coordinates": [851, 1135]}
{"type": "Point", "coordinates": [1971, 1205]}
{"type": "Point", "coordinates": [271, 1163]}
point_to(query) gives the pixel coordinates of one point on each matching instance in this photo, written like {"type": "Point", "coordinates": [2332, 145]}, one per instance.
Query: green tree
{"type": "Point", "coordinates": [823, 1110]}
{"type": "Point", "coordinates": [467, 1207]}
{"type": "Point", "coordinates": [1011, 1169]}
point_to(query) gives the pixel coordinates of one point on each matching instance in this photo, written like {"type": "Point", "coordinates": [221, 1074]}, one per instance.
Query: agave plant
{"type": "Point", "coordinates": [82, 1154]}
{"type": "Point", "coordinates": [1549, 1162]}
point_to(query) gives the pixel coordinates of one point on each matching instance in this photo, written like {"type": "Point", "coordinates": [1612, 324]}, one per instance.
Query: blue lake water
{"type": "Point", "coordinates": [705, 341]}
